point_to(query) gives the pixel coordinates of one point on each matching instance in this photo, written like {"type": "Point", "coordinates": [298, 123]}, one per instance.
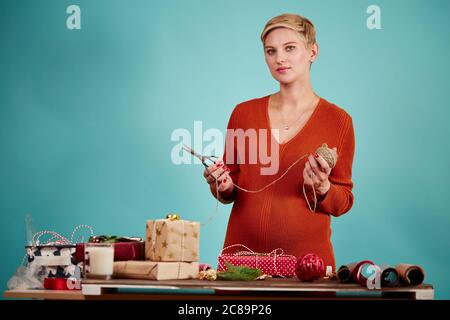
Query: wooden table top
{"type": "Point", "coordinates": [272, 286]}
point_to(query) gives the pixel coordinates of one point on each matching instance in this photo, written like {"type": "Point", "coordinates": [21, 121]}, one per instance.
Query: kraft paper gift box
{"type": "Point", "coordinates": [153, 270]}
{"type": "Point", "coordinates": [172, 240]}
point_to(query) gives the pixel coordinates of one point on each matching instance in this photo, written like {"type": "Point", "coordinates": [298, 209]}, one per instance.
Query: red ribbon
{"type": "Point", "coordinates": [58, 284]}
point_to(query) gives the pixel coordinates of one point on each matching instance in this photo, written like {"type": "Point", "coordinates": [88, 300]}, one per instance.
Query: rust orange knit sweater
{"type": "Point", "coordinates": [279, 217]}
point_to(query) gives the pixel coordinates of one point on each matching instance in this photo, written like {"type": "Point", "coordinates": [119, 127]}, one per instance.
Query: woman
{"type": "Point", "coordinates": [278, 216]}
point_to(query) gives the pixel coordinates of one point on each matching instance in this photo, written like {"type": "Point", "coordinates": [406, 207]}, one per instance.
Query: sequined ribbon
{"type": "Point", "coordinates": [58, 239]}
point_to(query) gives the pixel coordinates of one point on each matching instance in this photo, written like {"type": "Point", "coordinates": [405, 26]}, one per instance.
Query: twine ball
{"type": "Point", "coordinates": [309, 267]}
{"type": "Point", "coordinates": [330, 155]}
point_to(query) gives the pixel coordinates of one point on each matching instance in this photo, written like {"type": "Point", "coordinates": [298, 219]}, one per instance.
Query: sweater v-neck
{"type": "Point", "coordinates": [300, 132]}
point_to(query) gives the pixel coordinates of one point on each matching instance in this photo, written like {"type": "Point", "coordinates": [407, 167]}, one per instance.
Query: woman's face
{"type": "Point", "coordinates": [287, 56]}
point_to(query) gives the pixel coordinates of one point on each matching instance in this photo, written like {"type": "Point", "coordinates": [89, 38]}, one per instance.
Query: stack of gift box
{"type": "Point", "coordinates": [171, 252]}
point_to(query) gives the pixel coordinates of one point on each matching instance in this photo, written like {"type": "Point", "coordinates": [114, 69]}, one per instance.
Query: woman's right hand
{"type": "Point", "coordinates": [220, 172]}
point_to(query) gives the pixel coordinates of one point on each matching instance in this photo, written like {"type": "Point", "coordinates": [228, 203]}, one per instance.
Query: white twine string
{"type": "Point", "coordinates": [79, 227]}
{"type": "Point", "coordinates": [262, 189]}
{"type": "Point", "coordinates": [182, 249]}
{"type": "Point", "coordinates": [273, 182]}
{"type": "Point", "coordinates": [211, 216]}
{"type": "Point", "coordinates": [182, 241]}
{"type": "Point", "coordinates": [154, 237]}
{"type": "Point", "coordinates": [57, 238]}
{"type": "Point", "coordinates": [306, 197]}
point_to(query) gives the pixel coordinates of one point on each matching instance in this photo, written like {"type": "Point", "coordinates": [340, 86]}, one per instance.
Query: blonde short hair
{"type": "Point", "coordinates": [300, 24]}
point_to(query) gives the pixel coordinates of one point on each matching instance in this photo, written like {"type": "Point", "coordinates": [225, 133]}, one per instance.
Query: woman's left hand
{"type": "Point", "coordinates": [316, 173]}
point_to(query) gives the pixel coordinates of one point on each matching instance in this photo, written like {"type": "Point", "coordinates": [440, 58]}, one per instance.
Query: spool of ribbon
{"type": "Point", "coordinates": [61, 284]}
{"type": "Point", "coordinates": [389, 276]}
{"type": "Point", "coordinates": [355, 272]}
{"type": "Point", "coordinates": [410, 274]}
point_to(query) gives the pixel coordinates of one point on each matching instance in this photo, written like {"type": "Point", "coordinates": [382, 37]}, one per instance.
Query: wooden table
{"type": "Point", "coordinates": [269, 289]}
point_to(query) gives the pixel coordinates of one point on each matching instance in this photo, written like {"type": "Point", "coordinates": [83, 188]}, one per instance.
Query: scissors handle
{"type": "Point", "coordinates": [213, 160]}
{"type": "Point", "coordinates": [202, 158]}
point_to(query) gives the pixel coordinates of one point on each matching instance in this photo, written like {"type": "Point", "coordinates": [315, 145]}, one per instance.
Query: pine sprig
{"type": "Point", "coordinates": [238, 273]}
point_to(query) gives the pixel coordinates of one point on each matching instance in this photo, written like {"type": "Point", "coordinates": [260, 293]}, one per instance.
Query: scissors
{"type": "Point", "coordinates": [203, 159]}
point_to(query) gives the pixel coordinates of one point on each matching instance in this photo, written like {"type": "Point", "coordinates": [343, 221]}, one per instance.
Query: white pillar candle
{"type": "Point", "coordinates": [101, 259]}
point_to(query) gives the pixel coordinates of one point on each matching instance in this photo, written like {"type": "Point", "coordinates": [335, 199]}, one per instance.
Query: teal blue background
{"type": "Point", "coordinates": [86, 117]}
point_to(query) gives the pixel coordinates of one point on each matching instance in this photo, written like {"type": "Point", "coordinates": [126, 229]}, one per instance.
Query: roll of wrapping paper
{"type": "Point", "coordinates": [344, 273]}
{"type": "Point", "coordinates": [389, 276]}
{"type": "Point", "coordinates": [410, 274]}
{"type": "Point", "coordinates": [353, 272]}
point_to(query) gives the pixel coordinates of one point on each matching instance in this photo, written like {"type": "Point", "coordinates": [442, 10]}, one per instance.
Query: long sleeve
{"type": "Point", "coordinates": [230, 157]}
{"type": "Point", "coordinates": [339, 198]}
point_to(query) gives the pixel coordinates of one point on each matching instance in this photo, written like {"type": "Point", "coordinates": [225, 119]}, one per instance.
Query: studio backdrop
{"type": "Point", "coordinates": [96, 97]}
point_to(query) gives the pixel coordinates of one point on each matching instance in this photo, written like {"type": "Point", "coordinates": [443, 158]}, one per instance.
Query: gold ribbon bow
{"type": "Point", "coordinates": [173, 216]}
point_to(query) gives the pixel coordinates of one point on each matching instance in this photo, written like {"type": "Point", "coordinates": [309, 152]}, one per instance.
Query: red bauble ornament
{"type": "Point", "coordinates": [310, 267]}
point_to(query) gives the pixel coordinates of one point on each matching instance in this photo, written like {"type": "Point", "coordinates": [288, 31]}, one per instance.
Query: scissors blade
{"type": "Point", "coordinates": [195, 154]}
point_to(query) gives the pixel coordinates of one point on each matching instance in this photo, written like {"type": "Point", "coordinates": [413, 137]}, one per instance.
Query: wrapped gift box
{"type": "Point", "coordinates": [275, 263]}
{"type": "Point", "coordinates": [123, 251]}
{"type": "Point", "coordinates": [172, 240]}
{"type": "Point", "coordinates": [153, 270]}
{"type": "Point", "coordinates": [53, 260]}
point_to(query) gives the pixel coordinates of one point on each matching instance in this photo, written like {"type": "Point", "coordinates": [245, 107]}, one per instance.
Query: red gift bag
{"type": "Point", "coordinates": [275, 263]}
